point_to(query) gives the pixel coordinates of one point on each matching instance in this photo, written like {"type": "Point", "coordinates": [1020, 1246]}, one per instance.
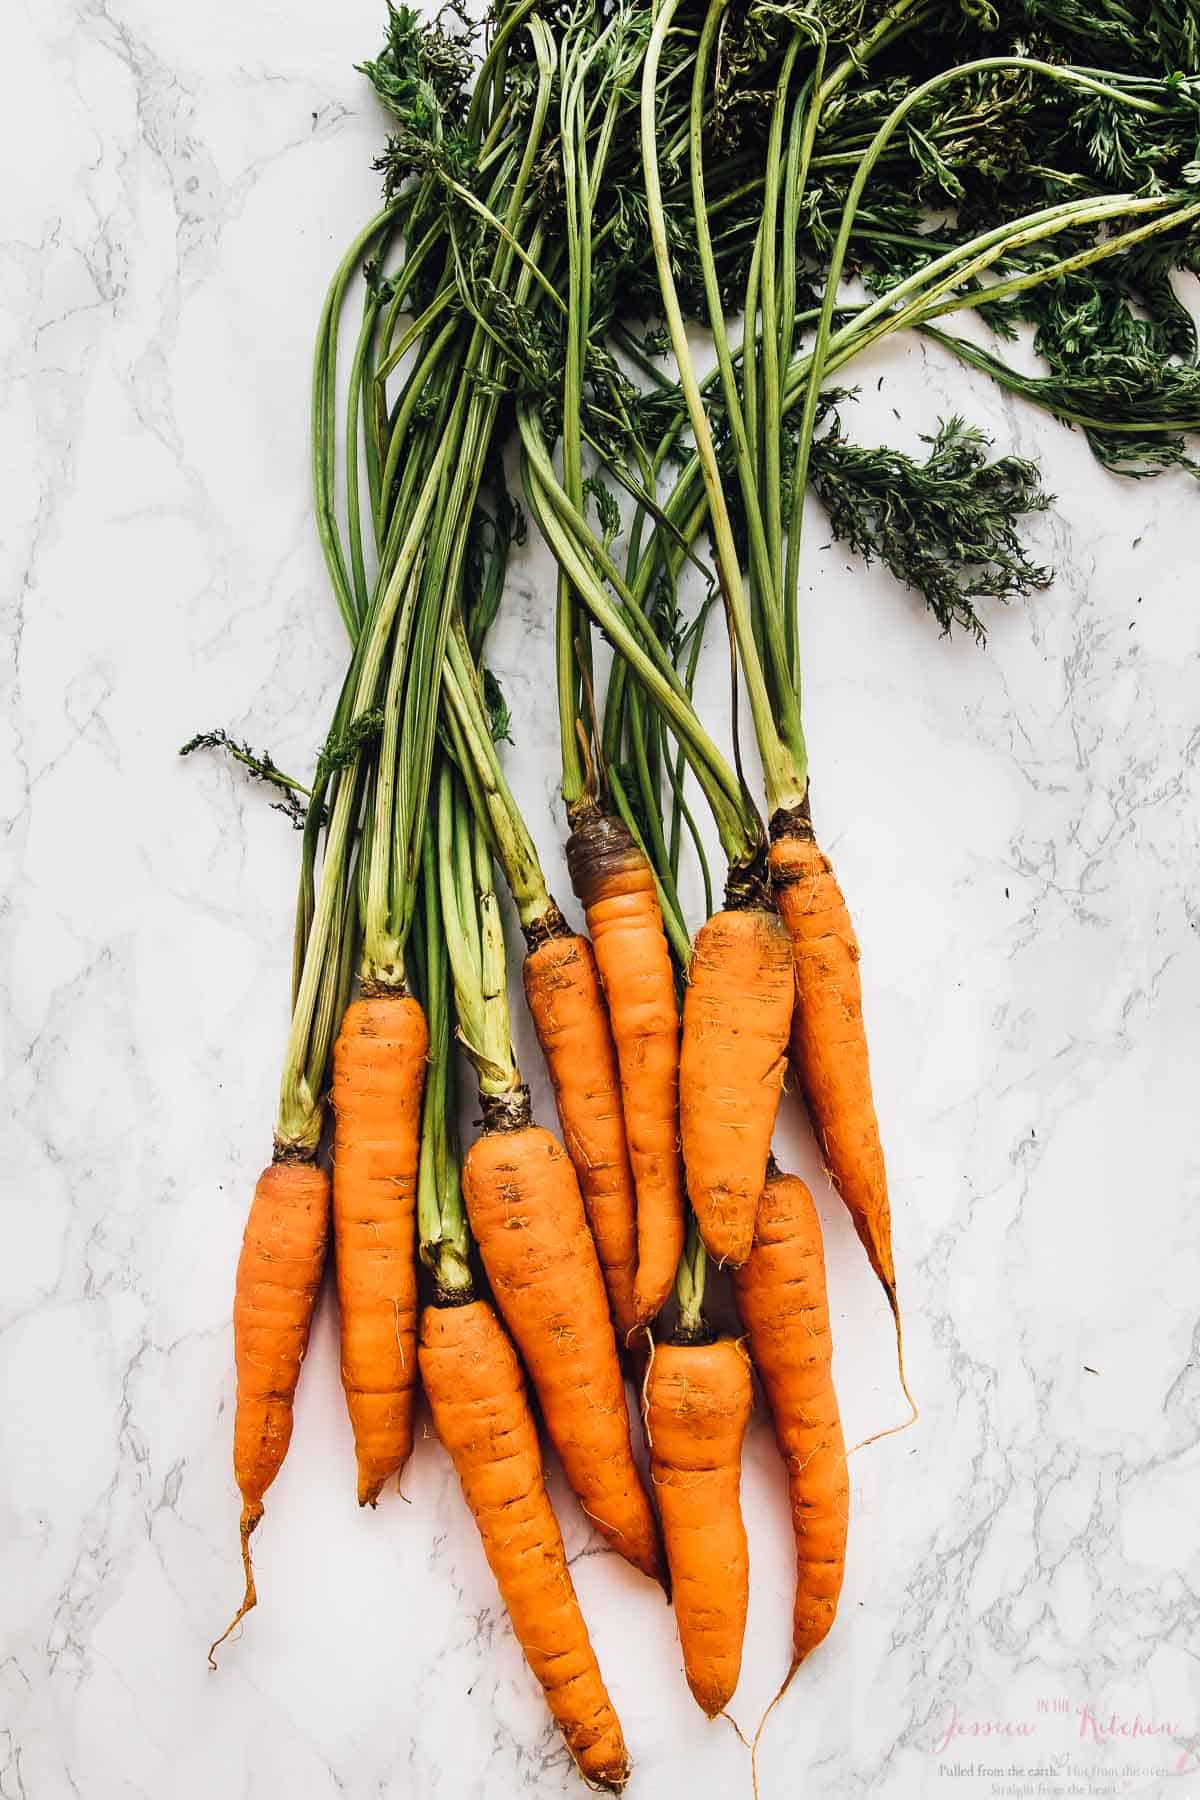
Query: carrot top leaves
{"type": "Point", "coordinates": [550, 192]}
{"type": "Point", "coordinates": [946, 527]}
{"type": "Point", "coordinates": [262, 767]}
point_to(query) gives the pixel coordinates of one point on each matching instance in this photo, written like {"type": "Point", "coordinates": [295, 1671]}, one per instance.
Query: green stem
{"type": "Point", "coordinates": [767, 455]}
{"type": "Point", "coordinates": [474, 942]}
{"type": "Point", "coordinates": [510, 834]}
{"type": "Point", "coordinates": [441, 1217]}
{"type": "Point", "coordinates": [324, 437]}
{"type": "Point", "coordinates": [690, 1281]}
{"type": "Point", "coordinates": [358, 569]}
{"type": "Point", "coordinates": [784, 765]}
{"type": "Point", "coordinates": [739, 828]}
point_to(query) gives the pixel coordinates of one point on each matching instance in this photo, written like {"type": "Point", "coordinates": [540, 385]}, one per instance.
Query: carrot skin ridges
{"type": "Point", "coordinates": [527, 1218]}
{"type": "Point", "coordinates": [566, 1003]}
{"type": "Point", "coordinates": [698, 1399]}
{"type": "Point", "coordinates": [615, 882]}
{"type": "Point", "coordinates": [784, 1307]}
{"type": "Point", "coordinates": [737, 1013]}
{"type": "Point", "coordinates": [278, 1276]}
{"type": "Point", "coordinates": [481, 1414]}
{"type": "Point", "coordinates": [828, 1042]}
{"type": "Point", "coordinates": [379, 1063]}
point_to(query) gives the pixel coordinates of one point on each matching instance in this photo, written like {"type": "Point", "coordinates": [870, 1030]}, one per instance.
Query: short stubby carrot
{"type": "Point", "coordinates": [566, 1003]}
{"type": "Point", "coordinates": [737, 1012]}
{"type": "Point", "coordinates": [379, 1063]}
{"type": "Point", "coordinates": [615, 883]}
{"type": "Point", "coordinates": [278, 1275]}
{"type": "Point", "coordinates": [828, 1042]}
{"type": "Point", "coordinates": [697, 1401]}
{"type": "Point", "coordinates": [527, 1218]}
{"type": "Point", "coordinates": [481, 1413]}
{"type": "Point", "coordinates": [783, 1305]}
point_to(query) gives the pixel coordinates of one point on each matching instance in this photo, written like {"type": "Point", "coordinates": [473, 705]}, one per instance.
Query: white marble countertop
{"type": "Point", "coordinates": [1016, 829]}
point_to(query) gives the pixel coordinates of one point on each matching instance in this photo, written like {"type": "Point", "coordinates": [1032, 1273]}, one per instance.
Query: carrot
{"type": "Point", "coordinates": [697, 1404]}
{"type": "Point", "coordinates": [471, 1373]}
{"type": "Point", "coordinates": [527, 1217]}
{"type": "Point", "coordinates": [737, 1010]}
{"type": "Point", "coordinates": [614, 880]}
{"type": "Point", "coordinates": [378, 1077]}
{"type": "Point", "coordinates": [783, 1305]}
{"type": "Point", "coordinates": [481, 1412]}
{"type": "Point", "coordinates": [828, 1043]}
{"type": "Point", "coordinates": [566, 1003]}
{"type": "Point", "coordinates": [278, 1274]}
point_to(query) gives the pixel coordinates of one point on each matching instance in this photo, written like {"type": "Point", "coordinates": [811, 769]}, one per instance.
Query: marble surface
{"type": "Point", "coordinates": [1016, 829]}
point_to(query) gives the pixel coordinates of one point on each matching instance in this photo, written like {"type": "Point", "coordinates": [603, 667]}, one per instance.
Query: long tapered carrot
{"type": "Point", "coordinates": [527, 1218]}
{"type": "Point", "coordinates": [566, 1003]}
{"type": "Point", "coordinates": [481, 1413]}
{"type": "Point", "coordinates": [615, 882]}
{"type": "Point", "coordinates": [378, 1078]}
{"type": "Point", "coordinates": [737, 1013]}
{"type": "Point", "coordinates": [697, 1405]}
{"type": "Point", "coordinates": [784, 1307]}
{"type": "Point", "coordinates": [278, 1275]}
{"type": "Point", "coordinates": [828, 1042]}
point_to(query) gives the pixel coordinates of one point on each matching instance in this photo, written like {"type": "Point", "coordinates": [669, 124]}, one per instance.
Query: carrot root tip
{"type": "Point", "coordinates": [608, 1782]}
{"type": "Point", "coordinates": [784, 1686]}
{"type": "Point", "coordinates": [252, 1512]}
{"type": "Point", "coordinates": [727, 1715]}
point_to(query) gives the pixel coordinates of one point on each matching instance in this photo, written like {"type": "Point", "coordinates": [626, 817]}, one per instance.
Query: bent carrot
{"type": "Point", "coordinates": [737, 1012]}
{"type": "Point", "coordinates": [527, 1218]}
{"type": "Point", "coordinates": [615, 883]}
{"type": "Point", "coordinates": [828, 1042]}
{"type": "Point", "coordinates": [782, 1303]}
{"type": "Point", "coordinates": [566, 1003]}
{"type": "Point", "coordinates": [698, 1399]}
{"type": "Point", "coordinates": [278, 1275]}
{"type": "Point", "coordinates": [481, 1413]}
{"type": "Point", "coordinates": [378, 1077]}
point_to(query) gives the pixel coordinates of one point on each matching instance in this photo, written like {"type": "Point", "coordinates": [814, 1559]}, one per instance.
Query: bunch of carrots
{"type": "Point", "coordinates": [546, 194]}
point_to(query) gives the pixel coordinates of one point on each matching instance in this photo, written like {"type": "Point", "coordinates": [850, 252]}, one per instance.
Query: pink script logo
{"type": "Point", "coordinates": [980, 1728]}
{"type": "Point", "coordinates": [1093, 1727]}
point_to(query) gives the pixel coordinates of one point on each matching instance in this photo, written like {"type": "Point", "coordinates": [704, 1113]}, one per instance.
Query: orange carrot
{"type": "Point", "coordinates": [566, 1004]}
{"type": "Point", "coordinates": [783, 1305]}
{"type": "Point", "coordinates": [614, 881]}
{"type": "Point", "coordinates": [828, 1043]}
{"type": "Point", "coordinates": [737, 1011]}
{"type": "Point", "coordinates": [278, 1274]}
{"type": "Point", "coordinates": [527, 1217]}
{"type": "Point", "coordinates": [481, 1414]}
{"type": "Point", "coordinates": [378, 1077]}
{"type": "Point", "coordinates": [698, 1399]}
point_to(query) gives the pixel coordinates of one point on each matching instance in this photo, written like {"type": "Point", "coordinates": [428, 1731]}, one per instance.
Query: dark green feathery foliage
{"type": "Point", "coordinates": [261, 765]}
{"type": "Point", "coordinates": [947, 527]}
